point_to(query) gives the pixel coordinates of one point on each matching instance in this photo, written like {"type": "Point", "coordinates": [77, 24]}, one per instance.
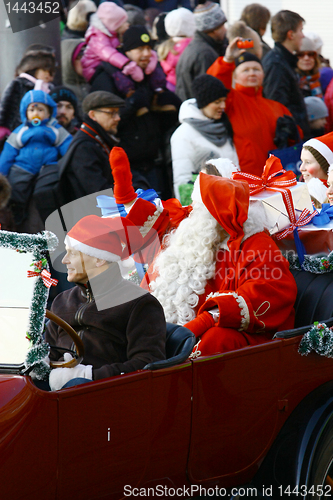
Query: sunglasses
{"type": "Point", "coordinates": [309, 53]}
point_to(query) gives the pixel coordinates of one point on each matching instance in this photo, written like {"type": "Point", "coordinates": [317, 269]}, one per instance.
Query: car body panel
{"type": "Point", "coordinates": [210, 421]}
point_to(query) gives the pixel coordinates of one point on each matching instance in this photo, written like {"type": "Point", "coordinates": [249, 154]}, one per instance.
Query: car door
{"type": "Point", "coordinates": [235, 412]}
{"type": "Point", "coordinates": [104, 436]}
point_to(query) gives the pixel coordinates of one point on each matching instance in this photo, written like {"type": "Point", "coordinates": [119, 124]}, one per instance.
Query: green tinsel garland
{"type": "Point", "coordinates": [38, 245]}
{"type": "Point", "coordinates": [319, 339]}
{"type": "Point", "coordinates": [317, 265]}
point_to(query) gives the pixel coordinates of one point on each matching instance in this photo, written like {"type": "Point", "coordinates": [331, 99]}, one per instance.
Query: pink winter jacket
{"type": "Point", "coordinates": [170, 62]}
{"type": "Point", "coordinates": [101, 47]}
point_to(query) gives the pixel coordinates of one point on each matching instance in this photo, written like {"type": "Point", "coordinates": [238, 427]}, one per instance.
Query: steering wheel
{"type": "Point", "coordinates": [74, 336]}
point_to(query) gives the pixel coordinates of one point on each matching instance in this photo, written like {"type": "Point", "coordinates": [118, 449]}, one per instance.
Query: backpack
{"type": "Point", "coordinates": [47, 193]}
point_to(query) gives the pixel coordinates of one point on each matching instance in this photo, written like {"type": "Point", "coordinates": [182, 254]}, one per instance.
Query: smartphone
{"type": "Point", "coordinates": [246, 43]}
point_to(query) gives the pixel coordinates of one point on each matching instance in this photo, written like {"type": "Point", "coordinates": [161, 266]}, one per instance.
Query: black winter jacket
{"type": "Point", "coordinates": [11, 100]}
{"type": "Point", "coordinates": [85, 168]}
{"type": "Point", "coordinates": [118, 339]}
{"type": "Point", "coordinates": [281, 84]}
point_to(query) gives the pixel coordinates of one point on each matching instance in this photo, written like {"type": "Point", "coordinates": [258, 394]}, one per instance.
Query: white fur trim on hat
{"type": "Point", "coordinates": [321, 147]}
{"type": "Point", "coordinates": [91, 251]}
{"type": "Point", "coordinates": [317, 189]}
{"type": "Point", "coordinates": [180, 22]}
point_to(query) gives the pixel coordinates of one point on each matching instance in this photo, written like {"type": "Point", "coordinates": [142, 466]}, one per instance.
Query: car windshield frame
{"type": "Point", "coordinates": [38, 245]}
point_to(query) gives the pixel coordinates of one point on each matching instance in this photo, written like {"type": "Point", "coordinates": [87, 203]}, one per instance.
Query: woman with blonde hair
{"type": "Point", "coordinates": [180, 26]}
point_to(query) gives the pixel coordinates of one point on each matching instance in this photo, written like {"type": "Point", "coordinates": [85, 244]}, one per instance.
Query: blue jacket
{"type": "Point", "coordinates": [30, 147]}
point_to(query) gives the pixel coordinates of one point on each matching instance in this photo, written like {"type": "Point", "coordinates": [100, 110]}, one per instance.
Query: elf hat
{"type": "Point", "coordinates": [109, 239]}
{"type": "Point", "coordinates": [324, 146]}
{"type": "Point", "coordinates": [228, 202]}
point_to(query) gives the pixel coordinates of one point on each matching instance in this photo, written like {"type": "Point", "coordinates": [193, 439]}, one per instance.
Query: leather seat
{"type": "Point", "coordinates": [314, 302]}
{"type": "Point", "coordinates": [179, 344]}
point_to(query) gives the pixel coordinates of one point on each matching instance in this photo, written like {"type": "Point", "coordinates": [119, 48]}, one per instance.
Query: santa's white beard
{"type": "Point", "coordinates": [186, 264]}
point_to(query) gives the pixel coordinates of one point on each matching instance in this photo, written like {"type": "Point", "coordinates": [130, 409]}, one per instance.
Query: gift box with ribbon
{"type": "Point", "coordinates": [284, 199]}
{"type": "Point", "coordinates": [287, 203]}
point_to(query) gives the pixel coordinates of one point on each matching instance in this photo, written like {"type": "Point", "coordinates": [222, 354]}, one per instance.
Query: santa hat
{"type": "Point", "coordinates": [121, 171]}
{"type": "Point", "coordinates": [317, 189]}
{"type": "Point", "coordinates": [228, 202]}
{"type": "Point", "coordinates": [108, 239]}
{"type": "Point", "coordinates": [324, 146]}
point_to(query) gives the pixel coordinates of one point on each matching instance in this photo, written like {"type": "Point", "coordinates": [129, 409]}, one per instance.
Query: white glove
{"type": "Point", "coordinates": [60, 376]}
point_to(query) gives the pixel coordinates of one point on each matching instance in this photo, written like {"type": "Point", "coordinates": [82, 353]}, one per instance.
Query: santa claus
{"type": "Point", "coordinates": [221, 275]}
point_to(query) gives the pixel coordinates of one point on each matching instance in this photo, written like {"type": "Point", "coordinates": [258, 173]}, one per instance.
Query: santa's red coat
{"type": "Point", "coordinates": [255, 294]}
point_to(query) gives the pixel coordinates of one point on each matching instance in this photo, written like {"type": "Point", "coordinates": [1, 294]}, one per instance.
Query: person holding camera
{"type": "Point", "coordinates": [259, 124]}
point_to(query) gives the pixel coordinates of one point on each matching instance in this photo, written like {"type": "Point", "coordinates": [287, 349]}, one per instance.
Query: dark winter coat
{"type": "Point", "coordinates": [281, 84]}
{"type": "Point", "coordinates": [198, 56]}
{"type": "Point", "coordinates": [119, 339]}
{"type": "Point", "coordinates": [10, 102]}
{"type": "Point", "coordinates": [139, 135]}
{"type": "Point", "coordinates": [85, 168]}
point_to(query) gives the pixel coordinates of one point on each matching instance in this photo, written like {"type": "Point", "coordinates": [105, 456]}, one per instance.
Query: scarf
{"type": "Point", "coordinates": [39, 84]}
{"type": "Point", "coordinates": [312, 83]}
{"type": "Point", "coordinates": [214, 131]}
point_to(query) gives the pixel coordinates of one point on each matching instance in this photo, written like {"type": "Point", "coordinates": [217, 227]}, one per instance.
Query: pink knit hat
{"type": "Point", "coordinates": [111, 15]}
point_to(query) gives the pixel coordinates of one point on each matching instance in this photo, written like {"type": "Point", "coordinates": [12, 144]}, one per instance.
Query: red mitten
{"type": "Point", "coordinates": [201, 323]}
{"type": "Point", "coordinates": [123, 190]}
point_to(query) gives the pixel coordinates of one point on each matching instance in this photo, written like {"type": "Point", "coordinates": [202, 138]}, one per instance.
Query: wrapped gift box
{"type": "Point", "coordinates": [275, 208]}
{"type": "Point", "coordinates": [316, 240]}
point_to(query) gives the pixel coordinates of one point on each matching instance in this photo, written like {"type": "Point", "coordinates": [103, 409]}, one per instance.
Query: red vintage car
{"type": "Point", "coordinates": [257, 421]}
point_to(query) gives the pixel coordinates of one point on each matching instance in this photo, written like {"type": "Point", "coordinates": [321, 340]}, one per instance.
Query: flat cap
{"type": "Point", "coordinates": [101, 99]}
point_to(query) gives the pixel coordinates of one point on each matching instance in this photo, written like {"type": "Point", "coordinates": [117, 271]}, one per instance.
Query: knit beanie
{"type": "Point", "coordinates": [322, 150]}
{"type": "Point", "coordinates": [207, 89]}
{"type": "Point", "coordinates": [307, 45]}
{"type": "Point", "coordinates": [64, 94]}
{"type": "Point", "coordinates": [246, 57]}
{"type": "Point", "coordinates": [208, 16]}
{"type": "Point", "coordinates": [180, 22]}
{"type": "Point", "coordinates": [111, 15]}
{"type": "Point", "coordinates": [77, 15]}
{"type": "Point", "coordinates": [134, 37]}
{"type": "Point", "coordinates": [316, 39]}
{"type": "Point", "coordinates": [315, 108]}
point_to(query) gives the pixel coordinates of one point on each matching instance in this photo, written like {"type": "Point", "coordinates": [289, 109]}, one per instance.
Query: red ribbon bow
{"type": "Point", "coordinates": [305, 217]}
{"type": "Point", "coordinates": [274, 177]}
{"type": "Point", "coordinates": [45, 275]}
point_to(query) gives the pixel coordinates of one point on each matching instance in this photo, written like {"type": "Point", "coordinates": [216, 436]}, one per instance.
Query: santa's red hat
{"type": "Point", "coordinates": [121, 171]}
{"type": "Point", "coordinates": [324, 146]}
{"type": "Point", "coordinates": [228, 202]}
{"type": "Point", "coordinates": [109, 239]}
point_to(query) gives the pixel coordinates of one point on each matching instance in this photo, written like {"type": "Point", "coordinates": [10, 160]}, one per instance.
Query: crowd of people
{"type": "Point", "coordinates": [156, 105]}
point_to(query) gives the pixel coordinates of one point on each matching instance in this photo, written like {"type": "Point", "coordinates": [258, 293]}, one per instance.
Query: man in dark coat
{"type": "Point", "coordinates": [280, 82]}
{"type": "Point", "coordinates": [122, 326]}
{"type": "Point", "coordinates": [85, 168]}
{"type": "Point", "coordinates": [208, 44]}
